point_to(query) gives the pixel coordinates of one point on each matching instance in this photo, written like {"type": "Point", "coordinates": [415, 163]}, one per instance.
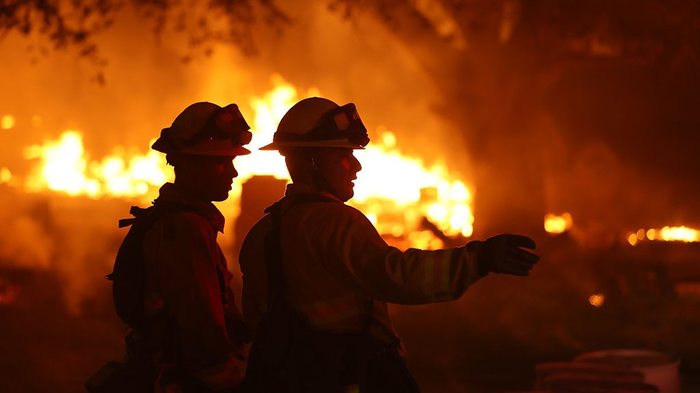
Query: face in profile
{"type": "Point", "coordinates": [339, 167]}
{"type": "Point", "coordinates": [207, 178]}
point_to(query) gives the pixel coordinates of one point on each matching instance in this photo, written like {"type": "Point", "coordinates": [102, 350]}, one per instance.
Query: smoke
{"type": "Point", "coordinates": [25, 242]}
{"type": "Point", "coordinates": [73, 239]}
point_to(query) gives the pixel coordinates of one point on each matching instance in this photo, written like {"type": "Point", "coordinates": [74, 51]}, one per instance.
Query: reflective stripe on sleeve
{"type": "Point", "coordinates": [441, 275]}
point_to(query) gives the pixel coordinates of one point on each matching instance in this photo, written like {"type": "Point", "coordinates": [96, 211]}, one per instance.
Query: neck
{"type": "Point", "coordinates": [189, 191]}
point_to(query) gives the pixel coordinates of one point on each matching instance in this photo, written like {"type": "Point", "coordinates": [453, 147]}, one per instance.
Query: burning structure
{"type": "Point", "coordinates": [485, 116]}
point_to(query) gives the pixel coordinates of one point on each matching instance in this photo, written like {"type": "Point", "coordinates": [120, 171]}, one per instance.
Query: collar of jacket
{"type": "Point", "coordinates": [298, 190]}
{"type": "Point", "coordinates": [171, 194]}
{"type": "Point", "coordinates": [297, 193]}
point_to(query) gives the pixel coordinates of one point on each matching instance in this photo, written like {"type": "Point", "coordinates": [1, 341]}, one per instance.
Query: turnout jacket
{"type": "Point", "coordinates": [339, 272]}
{"type": "Point", "coordinates": [187, 277]}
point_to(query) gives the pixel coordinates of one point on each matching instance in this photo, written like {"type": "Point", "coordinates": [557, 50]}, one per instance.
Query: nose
{"type": "Point", "coordinates": [355, 164]}
{"type": "Point", "coordinates": [234, 172]}
{"type": "Point", "coordinates": [231, 169]}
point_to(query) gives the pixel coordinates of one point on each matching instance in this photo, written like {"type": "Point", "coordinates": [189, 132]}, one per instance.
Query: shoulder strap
{"type": "Point", "coordinates": [128, 275]}
{"type": "Point", "coordinates": [137, 213]}
{"type": "Point", "coordinates": [273, 259]}
{"type": "Point", "coordinates": [274, 255]}
{"type": "Point", "coordinates": [273, 246]}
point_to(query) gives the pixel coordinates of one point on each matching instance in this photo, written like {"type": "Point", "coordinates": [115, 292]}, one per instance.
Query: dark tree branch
{"type": "Point", "coordinates": [76, 24]}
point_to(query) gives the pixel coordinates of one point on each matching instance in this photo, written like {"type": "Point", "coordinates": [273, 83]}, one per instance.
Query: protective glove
{"type": "Point", "coordinates": [504, 254]}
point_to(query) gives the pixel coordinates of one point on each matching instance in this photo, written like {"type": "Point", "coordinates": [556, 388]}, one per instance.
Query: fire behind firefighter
{"type": "Point", "coordinates": [170, 279]}
{"type": "Point", "coordinates": [317, 276]}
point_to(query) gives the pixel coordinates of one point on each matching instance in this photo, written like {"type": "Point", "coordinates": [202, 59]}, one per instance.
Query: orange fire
{"type": "Point", "coordinates": [667, 234]}
{"type": "Point", "coordinates": [396, 192]}
{"type": "Point", "coordinates": [556, 224]}
{"type": "Point", "coordinates": [65, 167]}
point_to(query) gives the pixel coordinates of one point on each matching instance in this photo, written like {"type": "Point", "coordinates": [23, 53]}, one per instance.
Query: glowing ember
{"type": "Point", "coordinates": [558, 223]}
{"type": "Point", "coordinates": [596, 300]}
{"type": "Point", "coordinates": [640, 234]}
{"type": "Point", "coordinates": [7, 122]}
{"type": "Point", "coordinates": [651, 234]}
{"type": "Point", "coordinates": [667, 234]}
{"type": "Point", "coordinates": [5, 175]}
{"type": "Point", "coordinates": [399, 208]}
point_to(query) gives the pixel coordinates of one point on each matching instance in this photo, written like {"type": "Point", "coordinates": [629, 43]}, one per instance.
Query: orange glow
{"type": "Point", "coordinates": [7, 122]}
{"type": "Point", "coordinates": [558, 223]}
{"type": "Point", "coordinates": [8, 292]}
{"type": "Point", "coordinates": [596, 300]}
{"type": "Point", "coordinates": [651, 234]}
{"type": "Point", "coordinates": [395, 191]}
{"type": "Point", "coordinates": [682, 233]}
{"type": "Point", "coordinates": [37, 121]}
{"type": "Point", "coordinates": [667, 233]}
{"type": "Point", "coordinates": [430, 193]}
{"type": "Point", "coordinates": [640, 234]}
{"type": "Point", "coordinates": [5, 175]}
{"type": "Point", "coordinates": [424, 240]}
{"type": "Point", "coordinates": [632, 239]}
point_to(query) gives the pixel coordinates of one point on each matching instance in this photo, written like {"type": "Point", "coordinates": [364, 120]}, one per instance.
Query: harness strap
{"type": "Point", "coordinates": [274, 255]}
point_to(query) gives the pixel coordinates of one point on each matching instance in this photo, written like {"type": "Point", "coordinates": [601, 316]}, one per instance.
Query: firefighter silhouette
{"type": "Point", "coordinates": [170, 279]}
{"type": "Point", "coordinates": [317, 276]}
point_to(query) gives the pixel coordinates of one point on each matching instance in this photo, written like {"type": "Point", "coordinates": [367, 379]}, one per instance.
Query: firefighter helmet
{"type": "Point", "coordinates": [319, 122]}
{"type": "Point", "coordinates": [206, 129]}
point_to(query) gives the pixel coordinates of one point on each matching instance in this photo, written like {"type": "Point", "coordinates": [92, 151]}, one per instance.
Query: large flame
{"type": "Point", "coordinates": [65, 167]}
{"type": "Point", "coordinates": [415, 205]}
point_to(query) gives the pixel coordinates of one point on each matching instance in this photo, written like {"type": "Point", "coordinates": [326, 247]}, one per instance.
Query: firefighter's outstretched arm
{"type": "Point", "coordinates": [387, 273]}
{"type": "Point", "coordinates": [417, 276]}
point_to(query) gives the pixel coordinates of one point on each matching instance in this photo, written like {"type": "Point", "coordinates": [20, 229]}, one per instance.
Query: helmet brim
{"type": "Point", "coordinates": [213, 147]}
{"type": "Point", "coordinates": [334, 143]}
{"type": "Point", "coordinates": [231, 152]}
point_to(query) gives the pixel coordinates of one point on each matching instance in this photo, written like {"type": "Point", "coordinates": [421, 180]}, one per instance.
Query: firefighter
{"type": "Point", "coordinates": [184, 319]}
{"type": "Point", "coordinates": [317, 276]}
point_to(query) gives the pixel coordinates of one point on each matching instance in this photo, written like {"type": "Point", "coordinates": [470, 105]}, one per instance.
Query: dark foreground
{"type": "Point", "coordinates": [488, 341]}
